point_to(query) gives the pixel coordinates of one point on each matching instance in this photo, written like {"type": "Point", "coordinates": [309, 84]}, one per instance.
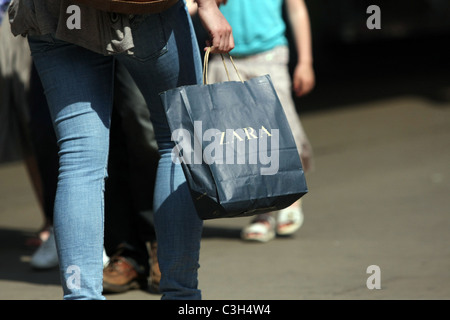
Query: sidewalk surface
{"type": "Point", "coordinates": [379, 196]}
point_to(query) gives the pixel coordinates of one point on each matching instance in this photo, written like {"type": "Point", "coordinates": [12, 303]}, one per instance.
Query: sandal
{"type": "Point", "coordinates": [262, 229]}
{"type": "Point", "coordinates": [290, 219]}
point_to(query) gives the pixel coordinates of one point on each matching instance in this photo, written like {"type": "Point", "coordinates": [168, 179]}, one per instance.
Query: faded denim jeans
{"type": "Point", "coordinates": [78, 84]}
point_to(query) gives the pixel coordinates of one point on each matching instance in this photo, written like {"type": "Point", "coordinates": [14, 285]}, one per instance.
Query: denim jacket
{"type": "Point", "coordinates": [102, 32]}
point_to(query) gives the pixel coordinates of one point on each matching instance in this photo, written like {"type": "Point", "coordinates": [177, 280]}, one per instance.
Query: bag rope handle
{"type": "Point", "coordinates": [205, 66]}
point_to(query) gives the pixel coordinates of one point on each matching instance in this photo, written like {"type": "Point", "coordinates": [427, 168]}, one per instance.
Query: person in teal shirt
{"type": "Point", "coordinates": [257, 26]}
{"type": "Point", "coordinates": [261, 47]}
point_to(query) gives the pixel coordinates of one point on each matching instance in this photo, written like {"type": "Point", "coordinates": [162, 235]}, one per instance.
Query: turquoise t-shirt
{"type": "Point", "coordinates": [258, 25]}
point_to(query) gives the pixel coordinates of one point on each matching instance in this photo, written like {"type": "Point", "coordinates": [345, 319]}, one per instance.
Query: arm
{"type": "Point", "coordinates": [303, 77]}
{"type": "Point", "coordinates": [216, 25]}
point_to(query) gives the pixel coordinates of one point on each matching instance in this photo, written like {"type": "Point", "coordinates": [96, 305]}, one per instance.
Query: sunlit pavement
{"type": "Point", "coordinates": [379, 195]}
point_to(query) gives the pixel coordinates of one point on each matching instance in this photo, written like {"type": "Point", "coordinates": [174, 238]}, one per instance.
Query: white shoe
{"type": "Point", "coordinates": [46, 256]}
{"type": "Point", "coordinates": [289, 220]}
{"type": "Point", "coordinates": [262, 229]}
{"type": "Point", "coordinates": [105, 258]}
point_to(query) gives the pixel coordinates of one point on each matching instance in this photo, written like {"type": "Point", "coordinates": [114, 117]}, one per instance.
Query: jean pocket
{"type": "Point", "coordinates": [41, 43]}
{"type": "Point", "coordinates": [149, 37]}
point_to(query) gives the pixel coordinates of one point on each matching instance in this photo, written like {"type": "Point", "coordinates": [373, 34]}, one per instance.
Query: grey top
{"type": "Point", "coordinates": [101, 32]}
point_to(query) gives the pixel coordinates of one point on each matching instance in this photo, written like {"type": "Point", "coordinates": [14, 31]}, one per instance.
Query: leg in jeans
{"type": "Point", "coordinates": [174, 60]}
{"type": "Point", "coordinates": [78, 84]}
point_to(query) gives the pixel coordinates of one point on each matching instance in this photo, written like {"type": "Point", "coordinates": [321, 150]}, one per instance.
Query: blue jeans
{"type": "Point", "coordinates": [78, 84]}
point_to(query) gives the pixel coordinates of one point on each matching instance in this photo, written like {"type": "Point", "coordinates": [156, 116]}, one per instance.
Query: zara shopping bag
{"type": "Point", "coordinates": [235, 146]}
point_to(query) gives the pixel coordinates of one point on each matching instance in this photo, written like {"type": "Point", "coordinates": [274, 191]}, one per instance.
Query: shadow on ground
{"type": "Point", "coordinates": [15, 252]}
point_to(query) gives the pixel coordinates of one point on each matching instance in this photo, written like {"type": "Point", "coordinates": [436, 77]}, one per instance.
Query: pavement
{"type": "Point", "coordinates": [377, 215]}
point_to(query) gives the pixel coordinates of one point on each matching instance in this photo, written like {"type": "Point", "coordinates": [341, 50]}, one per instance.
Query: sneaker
{"type": "Point", "coordinates": [120, 276]}
{"type": "Point", "coordinates": [289, 220]}
{"type": "Point", "coordinates": [261, 229]}
{"type": "Point", "coordinates": [105, 258]}
{"type": "Point", "coordinates": [46, 256]}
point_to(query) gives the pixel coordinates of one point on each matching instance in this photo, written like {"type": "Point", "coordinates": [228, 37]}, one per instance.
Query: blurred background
{"type": "Point", "coordinates": [409, 54]}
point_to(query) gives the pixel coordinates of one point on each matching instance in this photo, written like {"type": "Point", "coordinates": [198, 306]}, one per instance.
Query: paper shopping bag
{"type": "Point", "coordinates": [235, 147]}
